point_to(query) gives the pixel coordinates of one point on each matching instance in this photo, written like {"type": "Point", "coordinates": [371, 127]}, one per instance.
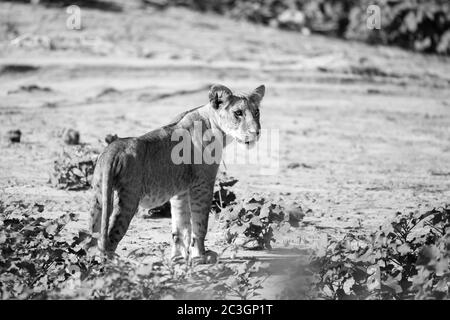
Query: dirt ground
{"type": "Point", "coordinates": [364, 131]}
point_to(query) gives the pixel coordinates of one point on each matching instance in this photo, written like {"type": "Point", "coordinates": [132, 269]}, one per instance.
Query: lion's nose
{"type": "Point", "coordinates": [254, 131]}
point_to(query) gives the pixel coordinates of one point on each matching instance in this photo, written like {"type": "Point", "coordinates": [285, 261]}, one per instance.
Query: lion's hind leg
{"type": "Point", "coordinates": [95, 214]}
{"type": "Point", "coordinates": [124, 210]}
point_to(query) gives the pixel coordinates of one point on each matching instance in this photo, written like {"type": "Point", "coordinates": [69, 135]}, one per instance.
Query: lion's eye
{"type": "Point", "coordinates": [257, 113]}
{"type": "Point", "coordinates": [238, 113]}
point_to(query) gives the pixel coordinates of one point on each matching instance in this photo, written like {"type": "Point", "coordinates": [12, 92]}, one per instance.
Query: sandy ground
{"type": "Point", "coordinates": [369, 127]}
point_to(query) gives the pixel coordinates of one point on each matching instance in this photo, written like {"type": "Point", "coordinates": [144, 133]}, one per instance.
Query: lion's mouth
{"type": "Point", "coordinates": [246, 142]}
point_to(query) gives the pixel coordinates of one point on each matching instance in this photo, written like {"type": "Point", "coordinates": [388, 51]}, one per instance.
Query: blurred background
{"type": "Point", "coordinates": [418, 25]}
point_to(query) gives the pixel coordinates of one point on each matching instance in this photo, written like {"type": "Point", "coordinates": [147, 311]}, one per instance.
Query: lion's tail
{"type": "Point", "coordinates": [107, 201]}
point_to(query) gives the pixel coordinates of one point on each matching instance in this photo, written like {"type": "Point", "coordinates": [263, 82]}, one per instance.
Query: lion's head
{"type": "Point", "coordinates": [237, 115]}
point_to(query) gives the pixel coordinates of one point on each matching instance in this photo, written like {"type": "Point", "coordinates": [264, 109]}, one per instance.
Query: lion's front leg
{"type": "Point", "coordinates": [181, 225]}
{"type": "Point", "coordinates": [200, 199]}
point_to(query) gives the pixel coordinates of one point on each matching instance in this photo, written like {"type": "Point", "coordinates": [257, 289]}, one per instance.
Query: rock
{"type": "Point", "coordinates": [14, 136]}
{"type": "Point", "coordinates": [71, 137]}
{"type": "Point", "coordinates": [293, 165]}
{"type": "Point", "coordinates": [30, 88]}
{"type": "Point", "coordinates": [293, 213]}
{"type": "Point", "coordinates": [211, 257]}
{"type": "Point", "coordinates": [39, 207]}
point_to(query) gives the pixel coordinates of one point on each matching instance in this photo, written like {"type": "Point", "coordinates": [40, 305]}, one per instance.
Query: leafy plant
{"type": "Point", "coordinates": [251, 223]}
{"type": "Point", "coordinates": [74, 168]}
{"type": "Point", "coordinates": [33, 258]}
{"type": "Point", "coordinates": [227, 280]}
{"type": "Point", "coordinates": [417, 25]}
{"type": "Point", "coordinates": [38, 262]}
{"type": "Point", "coordinates": [407, 259]}
{"type": "Point", "coordinates": [243, 285]}
{"type": "Point", "coordinates": [223, 195]}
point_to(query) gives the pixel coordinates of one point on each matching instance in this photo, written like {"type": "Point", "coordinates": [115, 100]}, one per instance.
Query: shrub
{"type": "Point", "coordinates": [38, 262]}
{"type": "Point", "coordinates": [251, 223]}
{"type": "Point", "coordinates": [407, 259]}
{"type": "Point", "coordinates": [33, 259]}
{"type": "Point", "coordinates": [73, 169]}
{"type": "Point", "coordinates": [418, 25]}
{"type": "Point", "coordinates": [223, 196]}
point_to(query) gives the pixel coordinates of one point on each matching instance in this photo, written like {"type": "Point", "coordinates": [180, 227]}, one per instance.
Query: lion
{"type": "Point", "coordinates": [145, 171]}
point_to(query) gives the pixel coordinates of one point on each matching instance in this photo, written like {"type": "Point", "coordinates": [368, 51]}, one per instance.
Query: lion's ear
{"type": "Point", "coordinates": [257, 94]}
{"type": "Point", "coordinates": [218, 94]}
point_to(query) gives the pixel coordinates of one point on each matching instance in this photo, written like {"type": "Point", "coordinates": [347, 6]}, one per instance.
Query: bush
{"type": "Point", "coordinates": [417, 25]}
{"type": "Point", "coordinates": [73, 169]}
{"type": "Point", "coordinates": [33, 260]}
{"type": "Point", "coordinates": [252, 222]}
{"type": "Point", "coordinates": [223, 196]}
{"type": "Point", "coordinates": [407, 259]}
{"type": "Point", "coordinates": [37, 262]}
